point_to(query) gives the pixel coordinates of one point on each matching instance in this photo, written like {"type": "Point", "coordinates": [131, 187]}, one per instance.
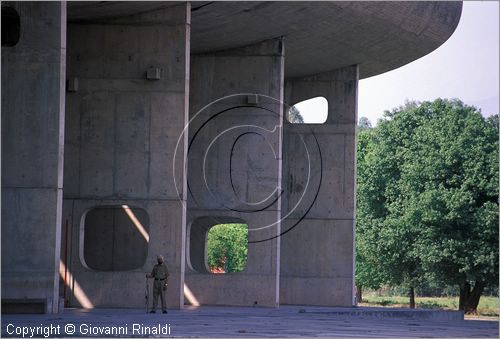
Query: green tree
{"type": "Point", "coordinates": [294, 116]}
{"type": "Point", "coordinates": [428, 198]}
{"type": "Point", "coordinates": [364, 123]}
{"type": "Point", "coordinates": [227, 247]}
{"type": "Point", "coordinates": [385, 236]}
{"type": "Point", "coordinates": [368, 274]}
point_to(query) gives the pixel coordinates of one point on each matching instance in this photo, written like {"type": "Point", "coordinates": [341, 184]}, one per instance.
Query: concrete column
{"type": "Point", "coordinates": [127, 108]}
{"type": "Point", "coordinates": [33, 100]}
{"type": "Point", "coordinates": [234, 174]}
{"type": "Point", "coordinates": [317, 247]}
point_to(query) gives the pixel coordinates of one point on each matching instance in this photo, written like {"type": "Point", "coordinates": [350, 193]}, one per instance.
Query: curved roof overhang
{"type": "Point", "coordinates": [319, 36]}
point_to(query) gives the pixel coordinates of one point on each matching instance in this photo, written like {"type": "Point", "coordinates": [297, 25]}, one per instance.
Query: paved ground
{"type": "Point", "coordinates": [287, 321]}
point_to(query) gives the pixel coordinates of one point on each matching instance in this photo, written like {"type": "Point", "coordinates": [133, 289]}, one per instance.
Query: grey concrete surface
{"type": "Point", "coordinates": [376, 35]}
{"type": "Point", "coordinates": [33, 97]}
{"type": "Point", "coordinates": [283, 322]}
{"type": "Point", "coordinates": [122, 132]}
{"type": "Point", "coordinates": [234, 168]}
{"type": "Point", "coordinates": [317, 253]}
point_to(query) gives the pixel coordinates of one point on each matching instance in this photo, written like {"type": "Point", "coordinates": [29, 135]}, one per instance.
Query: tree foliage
{"type": "Point", "coordinates": [227, 248]}
{"type": "Point", "coordinates": [364, 123]}
{"type": "Point", "coordinates": [368, 275]}
{"type": "Point", "coordinates": [294, 116]}
{"type": "Point", "coordinates": [428, 199]}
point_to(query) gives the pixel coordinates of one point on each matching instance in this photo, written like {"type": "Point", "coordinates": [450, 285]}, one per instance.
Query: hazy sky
{"type": "Point", "coordinates": [464, 67]}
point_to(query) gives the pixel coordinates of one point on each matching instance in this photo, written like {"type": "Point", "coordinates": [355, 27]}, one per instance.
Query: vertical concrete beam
{"type": "Point", "coordinates": [124, 129]}
{"type": "Point", "coordinates": [319, 171]}
{"type": "Point", "coordinates": [234, 172]}
{"type": "Point", "coordinates": [33, 103]}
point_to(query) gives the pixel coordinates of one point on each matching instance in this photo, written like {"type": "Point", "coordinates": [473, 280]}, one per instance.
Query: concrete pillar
{"type": "Point", "coordinates": [234, 174]}
{"type": "Point", "coordinates": [319, 162]}
{"type": "Point", "coordinates": [127, 108]}
{"type": "Point", "coordinates": [33, 100]}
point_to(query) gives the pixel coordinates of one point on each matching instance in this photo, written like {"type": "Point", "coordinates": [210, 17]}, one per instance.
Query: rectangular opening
{"type": "Point", "coordinates": [23, 306]}
{"type": "Point", "coordinates": [218, 245]}
{"type": "Point", "coordinates": [227, 248]}
{"type": "Point", "coordinates": [115, 238]}
{"type": "Point", "coordinates": [310, 111]}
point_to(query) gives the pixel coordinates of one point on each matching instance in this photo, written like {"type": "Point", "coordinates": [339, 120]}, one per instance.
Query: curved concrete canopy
{"type": "Point", "coordinates": [319, 36]}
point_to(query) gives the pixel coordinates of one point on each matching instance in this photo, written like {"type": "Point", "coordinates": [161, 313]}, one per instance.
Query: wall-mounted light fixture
{"type": "Point", "coordinates": [252, 99]}
{"type": "Point", "coordinates": [72, 85]}
{"type": "Point", "coordinates": [153, 73]}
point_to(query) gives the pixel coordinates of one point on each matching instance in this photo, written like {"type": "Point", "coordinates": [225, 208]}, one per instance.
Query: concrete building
{"type": "Point", "coordinates": [131, 128]}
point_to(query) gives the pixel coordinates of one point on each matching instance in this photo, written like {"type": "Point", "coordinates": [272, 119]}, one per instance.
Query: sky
{"type": "Point", "coordinates": [464, 67]}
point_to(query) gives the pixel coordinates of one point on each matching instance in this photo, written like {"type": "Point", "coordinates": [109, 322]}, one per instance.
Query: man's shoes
{"type": "Point", "coordinates": [152, 311]}
{"type": "Point", "coordinates": [165, 311]}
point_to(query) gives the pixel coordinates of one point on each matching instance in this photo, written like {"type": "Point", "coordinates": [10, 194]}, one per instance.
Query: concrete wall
{"type": "Point", "coordinates": [33, 74]}
{"type": "Point", "coordinates": [121, 134]}
{"type": "Point", "coordinates": [319, 162]}
{"type": "Point", "coordinates": [234, 160]}
{"type": "Point", "coordinates": [122, 128]}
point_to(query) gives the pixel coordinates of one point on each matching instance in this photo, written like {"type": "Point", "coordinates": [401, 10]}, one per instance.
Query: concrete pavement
{"type": "Point", "coordinates": [286, 321]}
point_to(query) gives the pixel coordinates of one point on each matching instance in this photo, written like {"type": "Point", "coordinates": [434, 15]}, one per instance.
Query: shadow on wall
{"type": "Point", "coordinates": [113, 238]}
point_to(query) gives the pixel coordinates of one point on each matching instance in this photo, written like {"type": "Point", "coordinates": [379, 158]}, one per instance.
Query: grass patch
{"type": "Point", "coordinates": [488, 306]}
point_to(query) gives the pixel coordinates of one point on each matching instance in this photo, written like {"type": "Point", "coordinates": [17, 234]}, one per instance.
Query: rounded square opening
{"type": "Point", "coordinates": [115, 238]}
{"type": "Point", "coordinates": [218, 245]}
{"type": "Point", "coordinates": [227, 248]}
{"type": "Point", "coordinates": [11, 26]}
{"type": "Point", "coordinates": [310, 111]}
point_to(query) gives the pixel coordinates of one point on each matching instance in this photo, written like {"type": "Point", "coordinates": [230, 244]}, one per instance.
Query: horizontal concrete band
{"type": "Point", "coordinates": [392, 313]}
{"type": "Point", "coordinates": [377, 36]}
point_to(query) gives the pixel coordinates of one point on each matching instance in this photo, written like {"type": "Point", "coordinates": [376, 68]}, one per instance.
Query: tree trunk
{"type": "Point", "coordinates": [469, 298]}
{"type": "Point", "coordinates": [359, 293]}
{"type": "Point", "coordinates": [412, 297]}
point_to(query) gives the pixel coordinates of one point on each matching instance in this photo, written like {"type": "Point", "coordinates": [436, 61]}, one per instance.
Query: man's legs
{"type": "Point", "coordinates": [163, 302]}
{"type": "Point", "coordinates": [155, 297]}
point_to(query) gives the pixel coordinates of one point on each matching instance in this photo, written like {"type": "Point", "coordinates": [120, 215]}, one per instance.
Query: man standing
{"type": "Point", "coordinates": [160, 275]}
